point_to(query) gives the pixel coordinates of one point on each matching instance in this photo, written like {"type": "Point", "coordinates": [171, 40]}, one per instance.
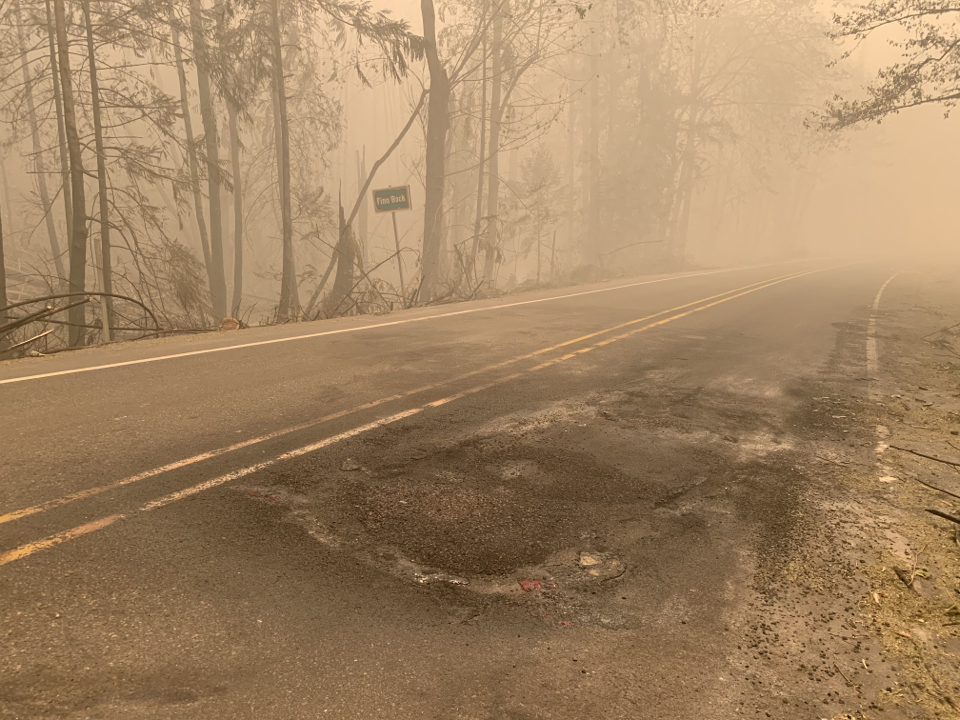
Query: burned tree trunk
{"type": "Point", "coordinates": [346, 260]}
{"type": "Point", "coordinates": [78, 236]}
{"type": "Point", "coordinates": [218, 287]}
{"type": "Point", "coordinates": [38, 149]}
{"type": "Point", "coordinates": [61, 134]}
{"type": "Point", "coordinates": [289, 300]}
{"type": "Point", "coordinates": [481, 165]}
{"type": "Point", "coordinates": [237, 212]}
{"type": "Point", "coordinates": [493, 175]}
{"type": "Point", "coordinates": [191, 148]}
{"type": "Point", "coordinates": [438, 122]}
{"type": "Point", "coordinates": [3, 273]}
{"type": "Point", "coordinates": [106, 303]}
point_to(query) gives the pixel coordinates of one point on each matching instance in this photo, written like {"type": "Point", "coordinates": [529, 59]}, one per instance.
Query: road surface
{"type": "Point", "coordinates": [334, 519]}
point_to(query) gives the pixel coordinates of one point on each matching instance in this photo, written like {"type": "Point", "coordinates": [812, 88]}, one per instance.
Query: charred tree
{"type": "Point", "coordinates": [481, 152]}
{"type": "Point", "coordinates": [592, 239]}
{"type": "Point", "coordinates": [237, 211]}
{"type": "Point", "coordinates": [438, 123]}
{"type": "Point", "coordinates": [192, 161]}
{"type": "Point", "coordinates": [289, 298]}
{"type": "Point", "coordinates": [78, 235]}
{"type": "Point", "coordinates": [38, 165]}
{"type": "Point", "coordinates": [106, 302]}
{"type": "Point", "coordinates": [346, 260]}
{"type": "Point", "coordinates": [493, 175]}
{"type": "Point", "coordinates": [218, 288]}
{"type": "Point", "coordinates": [61, 133]}
{"type": "Point", "coordinates": [3, 272]}
{"type": "Point", "coordinates": [362, 214]}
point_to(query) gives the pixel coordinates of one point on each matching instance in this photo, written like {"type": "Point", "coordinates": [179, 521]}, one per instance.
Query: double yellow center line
{"type": "Point", "coordinates": [636, 326]}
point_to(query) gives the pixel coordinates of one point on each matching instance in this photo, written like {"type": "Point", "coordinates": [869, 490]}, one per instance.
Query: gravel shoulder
{"type": "Point", "coordinates": [909, 587]}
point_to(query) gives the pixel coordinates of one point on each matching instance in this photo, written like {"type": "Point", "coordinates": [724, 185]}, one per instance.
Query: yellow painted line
{"type": "Point", "coordinates": [184, 462]}
{"type": "Point", "coordinates": [49, 542]}
{"type": "Point", "coordinates": [34, 547]}
{"type": "Point", "coordinates": [31, 548]}
{"type": "Point", "coordinates": [313, 447]}
{"type": "Point", "coordinates": [625, 335]}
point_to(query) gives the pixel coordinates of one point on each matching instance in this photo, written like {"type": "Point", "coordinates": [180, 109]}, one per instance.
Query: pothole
{"type": "Point", "coordinates": [448, 521]}
{"type": "Point", "coordinates": [560, 588]}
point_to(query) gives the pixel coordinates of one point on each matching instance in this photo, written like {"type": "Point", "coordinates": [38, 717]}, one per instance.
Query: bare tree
{"type": "Point", "coordinates": [218, 288]}
{"type": "Point", "coordinates": [191, 147]}
{"type": "Point", "coordinates": [38, 165]}
{"type": "Point", "coordinates": [78, 235]}
{"type": "Point", "coordinates": [438, 123]}
{"type": "Point", "coordinates": [102, 183]}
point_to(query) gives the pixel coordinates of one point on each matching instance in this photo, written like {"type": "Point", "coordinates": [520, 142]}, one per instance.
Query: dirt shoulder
{"type": "Point", "coordinates": [902, 652]}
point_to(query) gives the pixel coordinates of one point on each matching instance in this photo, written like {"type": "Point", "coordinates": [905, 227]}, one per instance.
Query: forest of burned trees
{"type": "Point", "coordinates": [167, 164]}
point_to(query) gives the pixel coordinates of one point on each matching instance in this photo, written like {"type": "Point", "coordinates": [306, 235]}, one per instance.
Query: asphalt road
{"type": "Point", "coordinates": [332, 519]}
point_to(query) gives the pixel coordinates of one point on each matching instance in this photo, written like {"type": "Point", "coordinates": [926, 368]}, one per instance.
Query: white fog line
{"type": "Point", "coordinates": [391, 323]}
{"type": "Point", "coordinates": [873, 374]}
{"type": "Point", "coordinates": [873, 365]}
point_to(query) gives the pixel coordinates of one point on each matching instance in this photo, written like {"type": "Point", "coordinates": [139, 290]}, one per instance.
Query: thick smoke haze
{"type": "Point", "coordinates": [892, 189]}
{"type": "Point", "coordinates": [569, 143]}
{"type": "Point", "coordinates": [479, 359]}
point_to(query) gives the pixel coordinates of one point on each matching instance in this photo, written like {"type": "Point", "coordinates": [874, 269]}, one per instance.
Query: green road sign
{"type": "Point", "coordinates": [392, 199]}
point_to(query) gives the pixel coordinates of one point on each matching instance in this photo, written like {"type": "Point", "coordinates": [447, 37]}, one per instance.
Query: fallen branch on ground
{"type": "Point", "coordinates": [364, 276]}
{"type": "Point", "coordinates": [941, 330]}
{"type": "Point", "coordinates": [843, 675]}
{"type": "Point", "coordinates": [945, 516]}
{"type": "Point", "coordinates": [27, 342]}
{"type": "Point", "coordinates": [59, 296]}
{"type": "Point", "coordinates": [928, 457]}
{"type": "Point", "coordinates": [36, 317]}
{"type": "Point", "coordinates": [938, 489]}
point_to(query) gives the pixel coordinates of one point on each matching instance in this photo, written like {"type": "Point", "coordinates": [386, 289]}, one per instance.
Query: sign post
{"type": "Point", "coordinates": [390, 200]}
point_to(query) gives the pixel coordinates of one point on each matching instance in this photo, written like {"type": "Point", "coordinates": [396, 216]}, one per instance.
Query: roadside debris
{"type": "Point", "coordinates": [601, 565]}
{"type": "Point", "coordinates": [844, 676]}
{"type": "Point", "coordinates": [905, 577]}
{"type": "Point", "coordinates": [946, 516]}
{"type": "Point", "coordinates": [924, 455]}
{"type": "Point", "coordinates": [350, 465]}
{"type": "Point", "coordinates": [439, 577]}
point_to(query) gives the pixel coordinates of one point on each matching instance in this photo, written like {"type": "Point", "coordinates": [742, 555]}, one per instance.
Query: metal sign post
{"type": "Point", "coordinates": [396, 239]}
{"type": "Point", "coordinates": [390, 200]}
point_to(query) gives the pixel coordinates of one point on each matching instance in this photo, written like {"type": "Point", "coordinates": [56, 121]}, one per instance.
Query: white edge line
{"type": "Point", "coordinates": [873, 360]}
{"type": "Point", "coordinates": [274, 341]}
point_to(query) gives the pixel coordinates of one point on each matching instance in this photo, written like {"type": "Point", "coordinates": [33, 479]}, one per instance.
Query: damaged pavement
{"type": "Point", "coordinates": [700, 523]}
